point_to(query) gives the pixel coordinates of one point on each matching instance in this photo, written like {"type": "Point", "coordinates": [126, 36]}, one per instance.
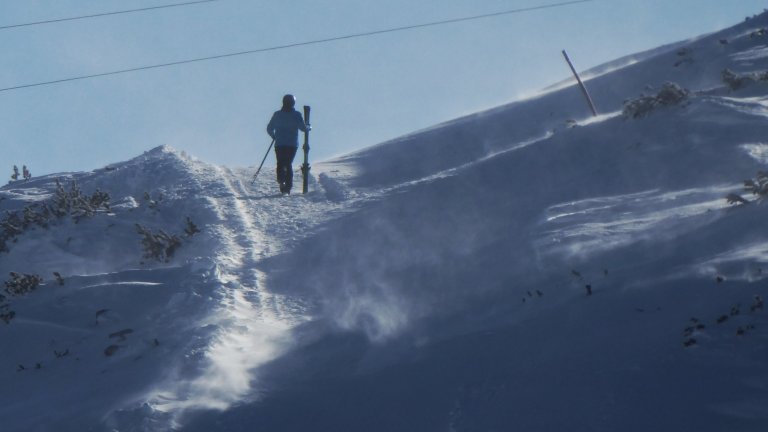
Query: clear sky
{"type": "Point", "coordinates": [362, 91]}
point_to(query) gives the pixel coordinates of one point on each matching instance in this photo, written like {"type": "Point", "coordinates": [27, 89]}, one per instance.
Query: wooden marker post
{"type": "Point", "coordinates": [581, 84]}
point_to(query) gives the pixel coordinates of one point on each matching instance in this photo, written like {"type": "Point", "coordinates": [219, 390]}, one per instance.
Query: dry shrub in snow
{"type": "Point", "coordinates": [18, 285]}
{"type": "Point", "coordinates": [160, 245]}
{"type": "Point", "coordinates": [736, 81]}
{"type": "Point", "coordinates": [757, 186]}
{"type": "Point", "coordinates": [72, 203]}
{"type": "Point", "coordinates": [21, 284]}
{"type": "Point", "coordinates": [670, 94]}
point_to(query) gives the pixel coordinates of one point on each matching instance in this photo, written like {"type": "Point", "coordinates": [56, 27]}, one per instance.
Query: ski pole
{"type": "Point", "coordinates": [262, 161]}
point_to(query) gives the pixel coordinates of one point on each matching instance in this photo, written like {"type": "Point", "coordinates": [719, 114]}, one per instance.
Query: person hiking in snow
{"type": "Point", "coordinates": [284, 128]}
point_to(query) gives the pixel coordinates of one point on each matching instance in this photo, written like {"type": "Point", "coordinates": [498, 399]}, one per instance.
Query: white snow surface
{"type": "Point", "coordinates": [437, 282]}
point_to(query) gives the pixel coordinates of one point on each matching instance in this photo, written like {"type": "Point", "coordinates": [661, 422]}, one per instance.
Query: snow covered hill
{"type": "Point", "coordinates": [525, 268]}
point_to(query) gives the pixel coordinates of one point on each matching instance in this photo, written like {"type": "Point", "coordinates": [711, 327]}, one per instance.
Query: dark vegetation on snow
{"type": "Point", "coordinates": [737, 81]}
{"type": "Point", "coordinates": [160, 245]}
{"type": "Point", "coordinates": [76, 205]}
{"type": "Point", "coordinates": [18, 285]}
{"type": "Point", "coordinates": [670, 94]}
{"type": "Point", "coordinates": [72, 203]}
{"type": "Point", "coordinates": [26, 175]}
{"type": "Point", "coordinates": [757, 186]}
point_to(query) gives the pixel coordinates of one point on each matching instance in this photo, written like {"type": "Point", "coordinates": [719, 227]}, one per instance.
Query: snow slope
{"type": "Point", "coordinates": [436, 282]}
{"type": "Point", "coordinates": [197, 324]}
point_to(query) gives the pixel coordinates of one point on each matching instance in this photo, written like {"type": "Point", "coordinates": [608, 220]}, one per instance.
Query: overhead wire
{"type": "Point", "coordinates": [57, 20]}
{"type": "Point", "coordinates": [300, 44]}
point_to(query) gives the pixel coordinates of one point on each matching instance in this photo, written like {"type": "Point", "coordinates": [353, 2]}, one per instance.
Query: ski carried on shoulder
{"type": "Point", "coordinates": [305, 166]}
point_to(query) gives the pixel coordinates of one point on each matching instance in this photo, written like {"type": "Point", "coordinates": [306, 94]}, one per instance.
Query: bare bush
{"type": "Point", "coordinates": [669, 95]}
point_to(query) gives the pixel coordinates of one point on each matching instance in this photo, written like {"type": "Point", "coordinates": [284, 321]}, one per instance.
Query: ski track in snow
{"type": "Point", "coordinates": [254, 325]}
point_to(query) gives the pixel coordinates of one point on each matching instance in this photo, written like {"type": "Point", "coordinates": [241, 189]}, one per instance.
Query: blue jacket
{"type": "Point", "coordinates": [284, 128]}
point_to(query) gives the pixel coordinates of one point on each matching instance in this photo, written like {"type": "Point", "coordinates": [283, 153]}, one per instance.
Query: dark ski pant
{"type": "Point", "coordinates": [285, 155]}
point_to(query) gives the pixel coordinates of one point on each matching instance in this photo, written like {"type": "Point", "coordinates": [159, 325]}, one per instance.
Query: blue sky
{"type": "Point", "coordinates": [362, 91]}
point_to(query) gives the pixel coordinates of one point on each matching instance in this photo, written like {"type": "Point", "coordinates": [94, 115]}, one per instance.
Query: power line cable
{"type": "Point", "coordinates": [299, 44]}
{"type": "Point", "coordinates": [5, 27]}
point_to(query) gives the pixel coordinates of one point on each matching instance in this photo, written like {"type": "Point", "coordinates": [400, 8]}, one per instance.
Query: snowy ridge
{"type": "Point", "coordinates": [206, 310]}
{"type": "Point", "coordinates": [525, 268]}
